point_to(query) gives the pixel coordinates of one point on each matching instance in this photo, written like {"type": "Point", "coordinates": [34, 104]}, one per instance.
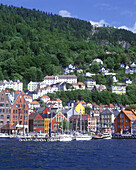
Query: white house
{"type": "Point", "coordinates": [32, 86]}
{"type": "Point", "coordinates": [48, 80]}
{"type": "Point", "coordinates": [45, 98]}
{"type": "Point", "coordinates": [90, 82]}
{"type": "Point", "coordinates": [17, 85]}
{"type": "Point", "coordinates": [34, 105]}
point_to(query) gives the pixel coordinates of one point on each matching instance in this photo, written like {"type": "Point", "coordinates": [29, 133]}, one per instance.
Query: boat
{"type": "Point", "coordinates": [97, 137]}
{"type": "Point", "coordinates": [4, 136]}
{"type": "Point", "coordinates": [82, 137]}
{"type": "Point", "coordinates": [106, 135]}
{"type": "Point", "coordinates": [66, 138]}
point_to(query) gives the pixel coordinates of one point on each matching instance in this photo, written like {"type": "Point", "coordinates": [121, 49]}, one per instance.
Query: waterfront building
{"type": "Point", "coordinates": [36, 123]}
{"type": "Point", "coordinates": [124, 120]}
{"type": "Point", "coordinates": [20, 116]}
{"type": "Point", "coordinates": [80, 122]}
{"type": "Point", "coordinates": [107, 120]}
{"type": "Point", "coordinates": [5, 109]}
{"type": "Point", "coordinates": [57, 120]}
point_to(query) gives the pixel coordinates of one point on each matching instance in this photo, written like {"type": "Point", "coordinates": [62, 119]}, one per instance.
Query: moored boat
{"type": "Point", "coordinates": [4, 136]}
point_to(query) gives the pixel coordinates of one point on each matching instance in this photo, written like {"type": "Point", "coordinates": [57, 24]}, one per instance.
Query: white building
{"type": "Point", "coordinates": [90, 82]}
{"type": "Point", "coordinates": [15, 85]}
{"type": "Point", "coordinates": [48, 80]}
{"type": "Point", "coordinates": [32, 86]}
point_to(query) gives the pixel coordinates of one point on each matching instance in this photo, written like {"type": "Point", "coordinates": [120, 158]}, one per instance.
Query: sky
{"type": "Point", "coordinates": [118, 13]}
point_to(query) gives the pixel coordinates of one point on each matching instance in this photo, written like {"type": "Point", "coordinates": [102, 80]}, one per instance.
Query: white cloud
{"type": "Point", "coordinates": [102, 22]}
{"type": "Point", "coordinates": [64, 13]}
{"type": "Point", "coordinates": [99, 23]}
{"type": "Point", "coordinates": [133, 29]}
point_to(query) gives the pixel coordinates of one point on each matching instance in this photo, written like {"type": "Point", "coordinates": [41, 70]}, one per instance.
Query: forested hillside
{"type": "Point", "coordinates": [34, 44]}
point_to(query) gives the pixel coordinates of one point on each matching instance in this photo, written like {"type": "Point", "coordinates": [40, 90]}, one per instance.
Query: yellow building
{"type": "Point", "coordinates": [47, 122]}
{"type": "Point", "coordinates": [80, 108]}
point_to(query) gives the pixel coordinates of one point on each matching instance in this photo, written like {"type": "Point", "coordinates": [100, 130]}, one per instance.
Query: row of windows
{"type": "Point", "coordinates": [121, 126]}
{"type": "Point", "coordinates": [4, 105]}
{"type": "Point", "coordinates": [20, 111]}
{"type": "Point", "coordinates": [1, 122]}
{"type": "Point", "coordinates": [25, 123]}
{"type": "Point", "coordinates": [5, 111]}
{"type": "Point", "coordinates": [40, 125]}
{"type": "Point", "coordinates": [2, 116]}
{"type": "Point", "coordinates": [38, 121]}
{"type": "Point", "coordinates": [122, 120]}
{"type": "Point", "coordinates": [20, 117]}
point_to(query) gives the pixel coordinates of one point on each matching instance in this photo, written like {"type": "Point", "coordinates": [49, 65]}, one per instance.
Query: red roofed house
{"type": "Point", "coordinates": [34, 105]}
{"type": "Point", "coordinates": [124, 120]}
{"type": "Point", "coordinates": [45, 98]}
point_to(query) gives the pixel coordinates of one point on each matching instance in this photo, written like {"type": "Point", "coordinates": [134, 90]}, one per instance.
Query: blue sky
{"type": "Point", "coordinates": [118, 13]}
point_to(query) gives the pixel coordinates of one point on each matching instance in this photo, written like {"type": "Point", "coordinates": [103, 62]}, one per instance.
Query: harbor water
{"type": "Point", "coordinates": [93, 154]}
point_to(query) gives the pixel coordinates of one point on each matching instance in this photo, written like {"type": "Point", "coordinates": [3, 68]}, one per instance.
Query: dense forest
{"type": "Point", "coordinates": [34, 44]}
{"type": "Point", "coordinates": [104, 97]}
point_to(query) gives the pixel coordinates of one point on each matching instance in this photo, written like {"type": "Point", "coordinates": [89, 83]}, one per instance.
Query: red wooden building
{"type": "Point", "coordinates": [56, 120]}
{"type": "Point", "coordinates": [124, 120]}
{"type": "Point", "coordinates": [20, 116]}
{"type": "Point", "coordinates": [36, 123]}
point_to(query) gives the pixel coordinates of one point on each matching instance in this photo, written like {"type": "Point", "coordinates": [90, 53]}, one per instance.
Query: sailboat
{"type": "Point", "coordinates": [82, 136]}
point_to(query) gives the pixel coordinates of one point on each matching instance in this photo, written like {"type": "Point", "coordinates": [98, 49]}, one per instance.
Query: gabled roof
{"type": "Point", "coordinates": [111, 105]}
{"type": "Point", "coordinates": [40, 110]}
{"type": "Point", "coordinates": [33, 116]}
{"type": "Point", "coordinates": [129, 114]}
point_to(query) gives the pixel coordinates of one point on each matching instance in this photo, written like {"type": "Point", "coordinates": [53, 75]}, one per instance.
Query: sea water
{"type": "Point", "coordinates": [94, 154]}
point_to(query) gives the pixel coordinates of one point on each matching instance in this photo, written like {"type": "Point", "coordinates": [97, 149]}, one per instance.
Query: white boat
{"type": "Point", "coordinates": [83, 137]}
{"type": "Point", "coordinates": [65, 138]}
{"type": "Point", "coordinates": [106, 135]}
{"type": "Point", "coordinates": [4, 136]}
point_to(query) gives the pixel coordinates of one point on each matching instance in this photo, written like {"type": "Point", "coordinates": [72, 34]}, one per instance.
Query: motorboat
{"type": "Point", "coordinates": [4, 136]}
{"type": "Point", "coordinates": [106, 135]}
{"type": "Point", "coordinates": [82, 137]}
{"type": "Point", "coordinates": [66, 138]}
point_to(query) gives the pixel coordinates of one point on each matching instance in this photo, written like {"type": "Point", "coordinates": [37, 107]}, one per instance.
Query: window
{"type": "Point", "coordinates": [7, 105]}
{"type": "Point", "coordinates": [127, 120]}
{"type": "Point", "coordinates": [2, 116]}
{"type": "Point", "coordinates": [1, 105]}
{"type": "Point", "coordinates": [6, 110]}
{"type": "Point", "coordinates": [39, 121]}
{"type": "Point", "coordinates": [121, 120]}
{"type": "Point", "coordinates": [8, 116]}
{"type": "Point", "coordinates": [3, 110]}
{"type": "Point", "coordinates": [2, 99]}
{"type": "Point", "coordinates": [121, 115]}
{"type": "Point", "coordinates": [118, 120]}
{"type": "Point", "coordinates": [55, 126]}
{"type": "Point", "coordinates": [35, 121]}
{"type": "Point", "coordinates": [0, 110]}
{"type": "Point", "coordinates": [9, 111]}
{"type": "Point", "coordinates": [41, 125]}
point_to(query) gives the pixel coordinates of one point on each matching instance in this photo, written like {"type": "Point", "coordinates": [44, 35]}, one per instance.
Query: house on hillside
{"type": "Point", "coordinates": [118, 89]}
